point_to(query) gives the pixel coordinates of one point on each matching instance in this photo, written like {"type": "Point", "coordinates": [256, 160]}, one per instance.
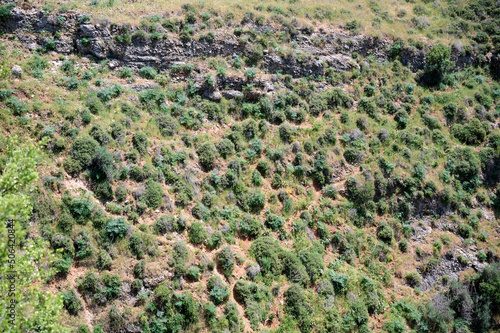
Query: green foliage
{"type": "Point", "coordinates": [385, 233]}
{"type": "Point", "coordinates": [273, 221]}
{"type": "Point", "coordinates": [71, 302]}
{"type": "Point", "coordinates": [226, 260]}
{"type": "Point", "coordinates": [5, 11]}
{"type": "Point", "coordinates": [250, 226]}
{"type": "Point", "coordinates": [438, 64]}
{"type": "Point", "coordinates": [116, 229]}
{"type": "Point", "coordinates": [471, 134]}
{"type": "Point", "coordinates": [225, 148]}
{"type": "Point", "coordinates": [413, 279]}
{"type": "Point", "coordinates": [464, 164]}
{"type": "Point", "coordinates": [206, 153]}
{"type": "Point", "coordinates": [81, 154]}
{"type": "Point", "coordinates": [197, 233]}
{"type": "Point", "coordinates": [148, 72]}
{"type": "Point", "coordinates": [296, 305]}
{"type": "Point", "coordinates": [254, 53]}
{"type": "Point", "coordinates": [218, 292]}
{"type": "Point", "coordinates": [153, 194]}
{"type": "Point", "coordinates": [268, 254]}
{"type": "Point", "coordinates": [140, 142]}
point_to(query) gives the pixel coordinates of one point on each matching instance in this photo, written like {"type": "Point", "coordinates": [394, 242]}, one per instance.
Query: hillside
{"type": "Point", "coordinates": [276, 166]}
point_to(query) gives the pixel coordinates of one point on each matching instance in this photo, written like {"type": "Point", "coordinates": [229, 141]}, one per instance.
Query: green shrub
{"type": "Point", "coordinates": [139, 269]}
{"type": "Point", "coordinates": [263, 167]}
{"type": "Point", "coordinates": [226, 260]}
{"type": "Point", "coordinates": [403, 245]}
{"type": "Point", "coordinates": [193, 273]}
{"type": "Point", "coordinates": [125, 72]}
{"type": "Point", "coordinates": [81, 154]}
{"type": "Point", "coordinates": [153, 194]}
{"type": "Point", "coordinates": [402, 118]}
{"type": "Point", "coordinates": [112, 284]}
{"type": "Point", "coordinates": [83, 248]}
{"type": "Point", "coordinates": [470, 134]}
{"type": "Point", "coordinates": [256, 201]}
{"type": "Point", "coordinates": [250, 226]}
{"type": "Point", "coordinates": [438, 64]}
{"type": "Point", "coordinates": [268, 254]}
{"type": "Point", "coordinates": [116, 229]}
{"type": "Point", "coordinates": [273, 221]}
{"type": "Point", "coordinates": [140, 142]}
{"type": "Point", "coordinates": [339, 282]}
{"type": "Point", "coordinates": [286, 132]}
{"type": "Point", "coordinates": [465, 230]}
{"type": "Point", "coordinates": [254, 53]}
{"type": "Point", "coordinates": [167, 125]}
{"type": "Point", "coordinates": [103, 190]}
{"type": "Point", "coordinates": [71, 302]}
{"type": "Point", "coordinates": [5, 11]}
{"type": "Point", "coordinates": [83, 329]}
{"type": "Point", "coordinates": [218, 291]}
{"type": "Point", "coordinates": [197, 233]}
{"type": "Point", "coordinates": [136, 245]}
{"type": "Point", "coordinates": [330, 191]}
{"type": "Point", "coordinates": [64, 243]}
{"type": "Point", "coordinates": [206, 153]}
{"type": "Point", "coordinates": [225, 148]}
{"type": "Point", "coordinates": [90, 284]}
{"type": "Point", "coordinates": [294, 269]}
{"type": "Point", "coordinates": [166, 223]}
{"type": "Point", "coordinates": [313, 262]}
{"type": "Point", "coordinates": [413, 279]}
{"type": "Point", "coordinates": [65, 222]}
{"type": "Point", "coordinates": [148, 72]}
{"type": "Point", "coordinates": [140, 36]}
{"type": "Point", "coordinates": [232, 316]}
{"type": "Point", "coordinates": [368, 106]}
{"type": "Point", "coordinates": [136, 286]}
{"type": "Point", "coordinates": [296, 305]}
{"type": "Point", "coordinates": [104, 260]}
{"type": "Point", "coordinates": [94, 104]}
{"type": "Point", "coordinates": [385, 233]}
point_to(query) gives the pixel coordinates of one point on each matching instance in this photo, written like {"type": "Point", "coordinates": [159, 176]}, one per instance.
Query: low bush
{"type": "Point", "coordinates": [207, 153]}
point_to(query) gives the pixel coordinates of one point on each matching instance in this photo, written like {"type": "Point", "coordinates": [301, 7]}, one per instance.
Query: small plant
{"type": "Point", "coordinates": [148, 73]}
{"type": "Point", "coordinates": [413, 279]}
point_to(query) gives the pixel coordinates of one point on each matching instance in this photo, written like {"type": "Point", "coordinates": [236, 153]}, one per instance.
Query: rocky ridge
{"type": "Point", "coordinates": [97, 38]}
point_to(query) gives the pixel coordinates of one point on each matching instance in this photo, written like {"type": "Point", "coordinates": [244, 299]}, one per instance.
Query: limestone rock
{"type": "Point", "coordinates": [17, 71]}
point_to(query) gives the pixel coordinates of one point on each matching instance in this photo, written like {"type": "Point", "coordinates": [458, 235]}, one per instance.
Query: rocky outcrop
{"type": "Point", "coordinates": [308, 57]}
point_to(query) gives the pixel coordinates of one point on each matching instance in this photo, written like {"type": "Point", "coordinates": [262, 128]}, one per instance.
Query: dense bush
{"type": "Point", "coordinates": [438, 64]}
{"type": "Point", "coordinates": [296, 304]}
{"type": "Point", "coordinates": [225, 148]}
{"type": "Point", "coordinates": [226, 260]}
{"type": "Point", "coordinates": [153, 194]}
{"type": "Point", "coordinates": [218, 291]}
{"type": "Point", "coordinates": [207, 153]}
{"type": "Point", "coordinates": [268, 254]}
{"type": "Point", "coordinates": [81, 154]}
{"type": "Point", "coordinates": [147, 72]}
{"type": "Point", "coordinates": [140, 141]}
{"type": "Point", "coordinates": [197, 233]}
{"type": "Point", "coordinates": [385, 233]}
{"type": "Point", "coordinates": [71, 302]}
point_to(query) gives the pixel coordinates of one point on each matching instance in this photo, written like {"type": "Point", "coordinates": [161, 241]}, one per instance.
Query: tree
{"type": "Point", "coordinates": [36, 309]}
{"type": "Point", "coordinates": [438, 64]}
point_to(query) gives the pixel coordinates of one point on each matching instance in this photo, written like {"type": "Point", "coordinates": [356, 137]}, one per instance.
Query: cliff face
{"type": "Point", "coordinates": [307, 58]}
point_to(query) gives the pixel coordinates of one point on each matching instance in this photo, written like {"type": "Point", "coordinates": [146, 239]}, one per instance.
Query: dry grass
{"type": "Point", "coordinates": [376, 17]}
